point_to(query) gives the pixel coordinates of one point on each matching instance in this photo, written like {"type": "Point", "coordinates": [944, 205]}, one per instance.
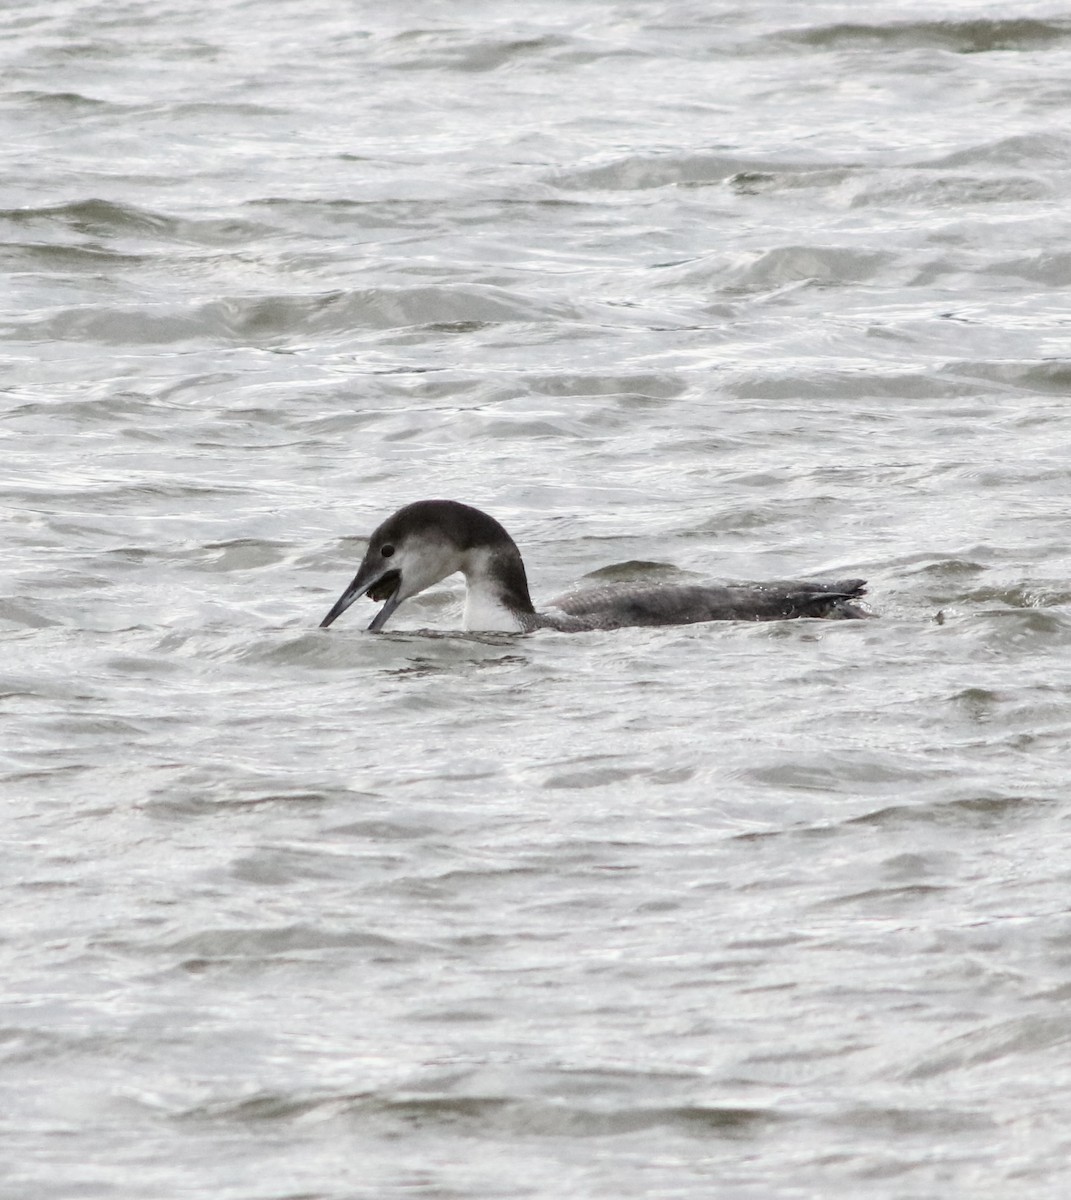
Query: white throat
{"type": "Point", "coordinates": [485, 611]}
{"type": "Point", "coordinates": [484, 608]}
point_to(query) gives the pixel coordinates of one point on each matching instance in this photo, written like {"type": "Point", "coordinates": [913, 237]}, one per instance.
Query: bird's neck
{"type": "Point", "coordinates": [496, 591]}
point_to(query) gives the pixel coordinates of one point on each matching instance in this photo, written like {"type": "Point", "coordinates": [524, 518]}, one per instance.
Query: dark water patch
{"type": "Point", "coordinates": [980, 36]}
{"type": "Point", "coordinates": [356, 217]}
{"type": "Point", "coordinates": [47, 780]}
{"type": "Point", "coordinates": [973, 812]}
{"type": "Point", "coordinates": [591, 778]}
{"type": "Point", "coordinates": [923, 1122]}
{"type": "Point", "coordinates": [630, 387]}
{"type": "Point", "coordinates": [643, 172]}
{"type": "Point", "coordinates": [68, 102]}
{"type": "Point", "coordinates": [268, 320]}
{"type": "Point", "coordinates": [1048, 268]}
{"type": "Point", "coordinates": [507, 1116]}
{"type": "Point", "coordinates": [1028, 152]}
{"type": "Point", "coordinates": [129, 410]}
{"type": "Point", "coordinates": [816, 265]}
{"type": "Point", "coordinates": [23, 614]}
{"type": "Point", "coordinates": [979, 704]}
{"type": "Point", "coordinates": [830, 382]}
{"type": "Point", "coordinates": [110, 326]}
{"type": "Point", "coordinates": [1029, 1037]}
{"type": "Point", "coordinates": [950, 570]}
{"type": "Point", "coordinates": [637, 571]}
{"type": "Point", "coordinates": [457, 50]}
{"type": "Point", "coordinates": [465, 885]}
{"type": "Point", "coordinates": [771, 182]}
{"type": "Point", "coordinates": [936, 189]}
{"type": "Point", "coordinates": [107, 219]}
{"type": "Point", "coordinates": [107, 35]}
{"type": "Point", "coordinates": [284, 867]}
{"type": "Point", "coordinates": [887, 901]}
{"type": "Point", "coordinates": [1032, 376]}
{"type": "Point", "coordinates": [26, 1046]}
{"type": "Point", "coordinates": [242, 554]}
{"type": "Point", "coordinates": [1015, 626]}
{"type": "Point", "coordinates": [198, 950]}
{"type": "Point", "coordinates": [187, 791]}
{"type": "Point", "coordinates": [146, 665]}
{"type": "Point", "coordinates": [744, 518]}
{"type": "Point", "coordinates": [94, 217]}
{"type": "Point", "coordinates": [480, 1116]}
{"type": "Point", "coordinates": [42, 256]}
{"type": "Point", "coordinates": [108, 729]}
{"type": "Point", "coordinates": [259, 1107]}
{"type": "Point", "coordinates": [1021, 702]}
{"type": "Point", "coordinates": [408, 654]}
{"type": "Point", "coordinates": [840, 773]}
{"type": "Point", "coordinates": [452, 1015]}
{"type": "Point", "coordinates": [967, 588]}
{"type": "Point", "coordinates": [401, 827]}
{"type": "Point", "coordinates": [221, 110]}
{"type": "Point", "coordinates": [104, 498]}
{"type": "Point", "coordinates": [597, 771]}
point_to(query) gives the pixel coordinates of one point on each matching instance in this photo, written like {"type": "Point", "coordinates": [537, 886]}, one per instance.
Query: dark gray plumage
{"type": "Point", "coordinates": [625, 604]}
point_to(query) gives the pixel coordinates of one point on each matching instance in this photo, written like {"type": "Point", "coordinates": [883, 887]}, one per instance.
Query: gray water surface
{"type": "Point", "coordinates": [743, 291]}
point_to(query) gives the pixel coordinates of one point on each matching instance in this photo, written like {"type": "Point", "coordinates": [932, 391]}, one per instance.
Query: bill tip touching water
{"type": "Point", "coordinates": [428, 540]}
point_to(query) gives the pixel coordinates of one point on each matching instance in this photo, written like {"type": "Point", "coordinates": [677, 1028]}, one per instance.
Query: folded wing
{"type": "Point", "coordinates": [619, 605]}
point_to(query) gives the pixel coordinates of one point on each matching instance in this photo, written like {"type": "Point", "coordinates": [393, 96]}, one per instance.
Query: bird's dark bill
{"type": "Point", "coordinates": [379, 587]}
{"type": "Point", "coordinates": [387, 588]}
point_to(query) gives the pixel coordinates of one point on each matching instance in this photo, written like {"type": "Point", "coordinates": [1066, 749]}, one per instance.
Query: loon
{"type": "Point", "coordinates": [425, 542]}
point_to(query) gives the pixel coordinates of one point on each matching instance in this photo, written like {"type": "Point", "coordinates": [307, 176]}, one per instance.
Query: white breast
{"type": "Point", "coordinates": [485, 611]}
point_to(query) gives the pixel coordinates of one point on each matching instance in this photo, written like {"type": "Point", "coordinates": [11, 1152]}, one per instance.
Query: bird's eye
{"type": "Point", "coordinates": [387, 551]}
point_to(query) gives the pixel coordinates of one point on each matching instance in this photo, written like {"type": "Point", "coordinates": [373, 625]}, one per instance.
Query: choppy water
{"type": "Point", "coordinates": [747, 911]}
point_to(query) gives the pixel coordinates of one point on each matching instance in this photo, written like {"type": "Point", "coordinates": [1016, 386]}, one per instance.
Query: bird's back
{"type": "Point", "coordinates": [617, 605]}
